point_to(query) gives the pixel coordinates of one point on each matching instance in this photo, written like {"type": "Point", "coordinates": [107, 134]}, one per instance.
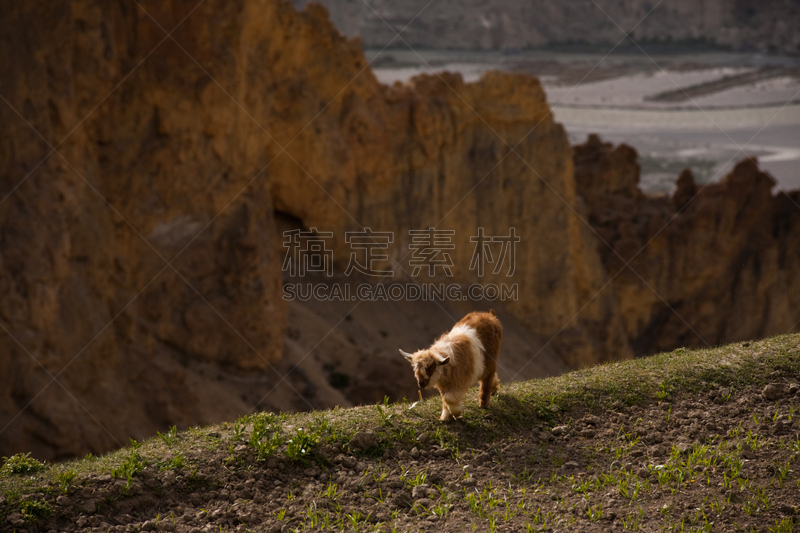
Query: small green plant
{"type": "Point", "coordinates": [763, 499]}
{"type": "Point", "coordinates": [170, 438]}
{"type": "Point", "coordinates": [131, 465]}
{"type": "Point", "coordinates": [632, 438]}
{"type": "Point", "coordinates": [476, 504]}
{"type": "Point", "coordinates": [718, 507]}
{"type": "Point", "coordinates": [21, 463]}
{"type": "Point", "coordinates": [441, 509]}
{"type": "Point", "coordinates": [782, 525]}
{"type": "Point", "coordinates": [301, 445]}
{"type": "Point", "coordinates": [321, 427]}
{"type": "Point", "coordinates": [418, 480]}
{"type": "Point", "coordinates": [231, 458]}
{"type": "Point", "coordinates": [632, 522]}
{"type": "Point", "coordinates": [379, 497]}
{"type": "Point", "coordinates": [735, 466]}
{"type": "Point", "coordinates": [354, 518]}
{"type": "Point", "coordinates": [193, 482]}
{"type": "Point", "coordinates": [266, 437]}
{"type": "Point", "coordinates": [238, 430]}
{"type": "Point", "coordinates": [632, 488]}
{"type": "Point", "coordinates": [582, 487]}
{"type": "Point", "coordinates": [34, 510]}
{"type": "Point", "coordinates": [483, 503]}
{"type": "Point", "coordinates": [177, 462]}
{"type": "Point", "coordinates": [663, 392]}
{"type": "Point", "coordinates": [65, 479]}
{"type": "Point", "coordinates": [331, 491]}
{"type": "Point", "coordinates": [314, 519]}
{"type": "Point", "coordinates": [782, 472]}
{"type": "Point", "coordinates": [383, 411]}
{"type": "Point", "coordinates": [540, 517]}
{"type": "Point", "coordinates": [754, 441]}
{"type": "Point", "coordinates": [595, 512]}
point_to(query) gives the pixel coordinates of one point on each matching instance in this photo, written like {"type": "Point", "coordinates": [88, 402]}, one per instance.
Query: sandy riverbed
{"type": "Point", "coordinates": [728, 105]}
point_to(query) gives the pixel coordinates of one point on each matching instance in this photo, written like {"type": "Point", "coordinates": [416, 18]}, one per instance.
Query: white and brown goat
{"type": "Point", "coordinates": [465, 355]}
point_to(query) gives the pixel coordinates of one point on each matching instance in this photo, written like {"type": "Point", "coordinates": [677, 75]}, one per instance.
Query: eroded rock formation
{"type": "Point", "coordinates": [714, 264]}
{"type": "Point", "coordinates": [140, 174]}
{"type": "Point", "coordinates": [140, 261]}
{"type": "Point", "coordinates": [119, 265]}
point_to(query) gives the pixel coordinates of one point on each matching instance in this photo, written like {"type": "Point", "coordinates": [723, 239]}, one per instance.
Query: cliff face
{"type": "Point", "coordinates": [439, 153]}
{"type": "Point", "coordinates": [713, 264]}
{"type": "Point", "coordinates": [141, 255]}
{"type": "Point", "coordinates": [140, 260]}
{"type": "Point", "coordinates": [736, 24]}
{"type": "Point", "coordinates": [122, 259]}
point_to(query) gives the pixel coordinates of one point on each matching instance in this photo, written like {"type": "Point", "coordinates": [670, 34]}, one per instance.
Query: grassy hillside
{"type": "Point", "coordinates": [702, 440]}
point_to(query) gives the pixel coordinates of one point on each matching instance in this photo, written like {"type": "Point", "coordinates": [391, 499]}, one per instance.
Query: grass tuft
{"type": "Point", "coordinates": [21, 463]}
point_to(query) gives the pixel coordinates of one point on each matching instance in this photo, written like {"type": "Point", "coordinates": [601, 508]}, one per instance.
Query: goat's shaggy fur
{"type": "Point", "coordinates": [465, 355]}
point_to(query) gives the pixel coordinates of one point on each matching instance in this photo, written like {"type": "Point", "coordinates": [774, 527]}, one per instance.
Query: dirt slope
{"type": "Point", "coordinates": [701, 441]}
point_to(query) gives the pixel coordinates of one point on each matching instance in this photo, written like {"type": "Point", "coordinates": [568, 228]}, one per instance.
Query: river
{"type": "Point", "coordinates": [702, 111]}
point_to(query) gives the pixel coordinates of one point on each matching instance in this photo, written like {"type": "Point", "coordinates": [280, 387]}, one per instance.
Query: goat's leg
{"type": "Point", "coordinates": [489, 385]}
{"type": "Point", "coordinates": [446, 416]}
{"type": "Point", "coordinates": [453, 401]}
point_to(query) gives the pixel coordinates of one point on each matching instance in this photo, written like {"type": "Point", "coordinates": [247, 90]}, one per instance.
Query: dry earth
{"type": "Point", "coordinates": [684, 441]}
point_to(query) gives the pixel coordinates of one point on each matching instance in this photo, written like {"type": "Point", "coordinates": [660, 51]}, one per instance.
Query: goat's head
{"type": "Point", "coordinates": [426, 364]}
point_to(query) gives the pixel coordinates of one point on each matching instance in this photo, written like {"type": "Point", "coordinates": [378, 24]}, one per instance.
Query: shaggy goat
{"type": "Point", "coordinates": [465, 355]}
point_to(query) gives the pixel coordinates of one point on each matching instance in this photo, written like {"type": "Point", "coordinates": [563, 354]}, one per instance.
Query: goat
{"type": "Point", "coordinates": [465, 355]}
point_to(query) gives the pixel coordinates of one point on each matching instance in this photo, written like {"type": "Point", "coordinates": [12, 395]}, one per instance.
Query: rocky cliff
{"type": "Point", "coordinates": [152, 155]}
{"type": "Point", "coordinates": [130, 245]}
{"type": "Point", "coordinates": [713, 264]}
{"type": "Point", "coordinates": [140, 279]}
{"type": "Point", "coordinates": [743, 25]}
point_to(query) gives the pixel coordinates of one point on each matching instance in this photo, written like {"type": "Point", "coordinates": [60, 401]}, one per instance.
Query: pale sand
{"type": "Point", "coordinates": [707, 133]}
{"type": "Point", "coordinates": [680, 119]}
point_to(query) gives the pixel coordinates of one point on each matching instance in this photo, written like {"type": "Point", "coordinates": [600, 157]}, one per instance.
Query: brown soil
{"type": "Point", "coordinates": [718, 460]}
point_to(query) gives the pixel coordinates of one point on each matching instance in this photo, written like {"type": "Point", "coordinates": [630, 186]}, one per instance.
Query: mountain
{"type": "Point", "coordinates": [740, 25]}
